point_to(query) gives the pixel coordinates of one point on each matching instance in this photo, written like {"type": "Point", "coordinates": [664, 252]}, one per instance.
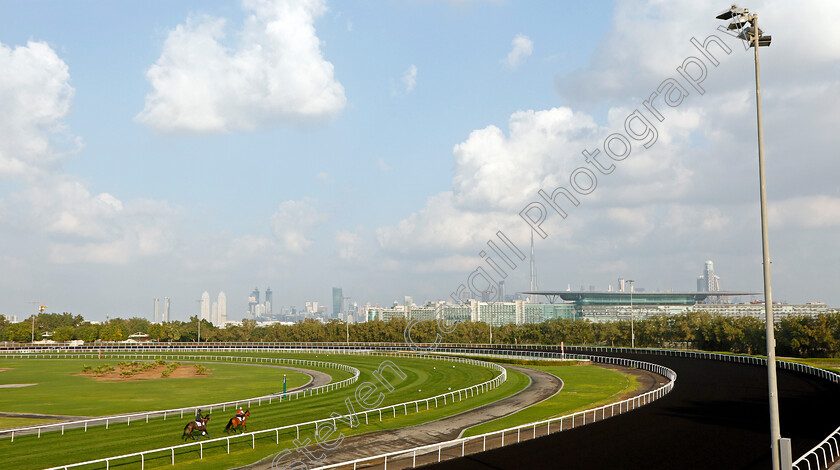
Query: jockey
{"type": "Point", "coordinates": [198, 419]}
{"type": "Point", "coordinates": [240, 414]}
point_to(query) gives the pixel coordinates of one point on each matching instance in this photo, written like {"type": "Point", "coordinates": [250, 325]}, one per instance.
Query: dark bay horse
{"type": "Point", "coordinates": [194, 426]}
{"type": "Point", "coordinates": [236, 421]}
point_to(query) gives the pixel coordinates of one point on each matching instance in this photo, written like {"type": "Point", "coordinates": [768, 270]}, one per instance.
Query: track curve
{"type": "Point", "coordinates": [716, 417]}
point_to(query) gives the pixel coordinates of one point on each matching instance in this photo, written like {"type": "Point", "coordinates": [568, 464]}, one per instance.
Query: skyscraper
{"type": "Point", "coordinates": [222, 308]}
{"type": "Point", "coordinates": [157, 310]}
{"type": "Point", "coordinates": [253, 301]}
{"type": "Point", "coordinates": [338, 300]}
{"type": "Point", "coordinates": [268, 301]}
{"type": "Point", "coordinates": [205, 306]}
{"type": "Point", "coordinates": [166, 309]}
{"type": "Point", "coordinates": [709, 282]}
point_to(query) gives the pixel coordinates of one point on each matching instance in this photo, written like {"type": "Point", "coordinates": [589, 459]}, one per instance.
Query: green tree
{"type": "Point", "coordinates": [64, 333]}
{"type": "Point", "coordinates": [112, 331]}
{"type": "Point", "coordinates": [21, 332]}
{"type": "Point", "coordinates": [87, 332]}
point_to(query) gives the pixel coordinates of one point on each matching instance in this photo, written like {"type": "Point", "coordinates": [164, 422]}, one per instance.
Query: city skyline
{"type": "Point", "coordinates": [375, 155]}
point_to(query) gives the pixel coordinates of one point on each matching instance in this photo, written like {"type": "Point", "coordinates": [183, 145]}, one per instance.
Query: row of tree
{"type": "Point", "coordinates": [795, 335]}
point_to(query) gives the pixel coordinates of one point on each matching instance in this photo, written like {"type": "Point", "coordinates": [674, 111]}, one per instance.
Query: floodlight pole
{"type": "Point", "coordinates": [632, 330]}
{"type": "Point", "coordinates": [775, 428]}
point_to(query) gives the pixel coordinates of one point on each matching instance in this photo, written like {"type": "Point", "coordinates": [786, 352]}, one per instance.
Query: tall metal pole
{"type": "Point", "coordinates": [632, 330]}
{"type": "Point", "coordinates": [775, 431]}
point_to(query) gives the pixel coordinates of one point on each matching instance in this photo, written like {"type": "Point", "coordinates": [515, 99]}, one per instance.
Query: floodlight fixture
{"type": "Point", "coordinates": [740, 18]}
{"type": "Point", "coordinates": [732, 11]}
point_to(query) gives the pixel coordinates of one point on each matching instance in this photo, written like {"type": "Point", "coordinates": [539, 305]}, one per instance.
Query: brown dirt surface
{"type": "Point", "coordinates": [4, 370]}
{"type": "Point", "coordinates": [182, 372]}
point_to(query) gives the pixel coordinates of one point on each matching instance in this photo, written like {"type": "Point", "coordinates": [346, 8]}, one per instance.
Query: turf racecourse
{"type": "Point", "coordinates": [90, 397]}
{"type": "Point", "coordinates": [424, 378]}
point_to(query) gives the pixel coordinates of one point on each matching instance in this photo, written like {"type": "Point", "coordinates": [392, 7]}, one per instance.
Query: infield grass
{"type": "Point", "coordinates": [424, 378]}
{"type": "Point", "coordinates": [59, 392]}
{"type": "Point", "coordinates": [584, 386]}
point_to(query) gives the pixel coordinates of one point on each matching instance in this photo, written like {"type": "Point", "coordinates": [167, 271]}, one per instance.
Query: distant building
{"type": "Point", "coordinates": [338, 301]}
{"type": "Point", "coordinates": [253, 301]}
{"type": "Point", "coordinates": [222, 302]}
{"type": "Point", "coordinates": [709, 282]}
{"type": "Point", "coordinates": [205, 306]}
{"type": "Point", "coordinates": [165, 309]}
{"type": "Point", "coordinates": [268, 300]}
{"type": "Point", "coordinates": [157, 311]}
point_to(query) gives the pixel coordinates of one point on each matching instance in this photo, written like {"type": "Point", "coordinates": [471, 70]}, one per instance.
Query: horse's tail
{"type": "Point", "coordinates": [229, 425]}
{"type": "Point", "coordinates": [187, 427]}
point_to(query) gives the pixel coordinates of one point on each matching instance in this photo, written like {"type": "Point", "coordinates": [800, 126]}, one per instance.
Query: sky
{"type": "Point", "coordinates": [163, 149]}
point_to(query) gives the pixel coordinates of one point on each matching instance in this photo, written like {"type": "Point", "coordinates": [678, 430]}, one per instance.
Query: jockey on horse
{"type": "Point", "coordinates": [200, 424]}
{"type": "Point", "coordinates": [238, 420]}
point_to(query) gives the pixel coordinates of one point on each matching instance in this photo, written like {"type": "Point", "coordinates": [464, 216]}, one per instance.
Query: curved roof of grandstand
{"type": "Point", "coordinates": [638, 297]}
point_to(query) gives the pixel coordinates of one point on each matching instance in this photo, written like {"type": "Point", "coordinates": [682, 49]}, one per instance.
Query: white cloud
{"type": "Point", "coordinates": [348, 245]}
{"type": "Point", "coordinates": [383, 165]}
{"type": "Point", "coordinates": [35, 97]}
{"type": "Point", "coordinates": [275, 73]}
{"type": "Point", "coordinates": [691, 196]}
{"type": "Point", "coordinates": [54, 211]}
{"type": "Point", "coordinates": [805, 212]}
{"type": "Point", "coordinates": [293, 223]}
{"type": "Point", "coordinates": [409, 78]}
{"type": "Point", "coordinates": [521, 49]}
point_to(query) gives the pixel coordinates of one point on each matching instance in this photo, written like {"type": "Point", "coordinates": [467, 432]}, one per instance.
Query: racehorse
{"type": "Point", "coordinates": [194, 426]}
{"type": "Point", "coordinates": [236, 421]}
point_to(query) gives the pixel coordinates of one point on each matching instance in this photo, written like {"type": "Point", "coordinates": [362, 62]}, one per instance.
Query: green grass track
{"type": "Point", "coordinates": [424, 378]}
{"type": "Point", "coordinates": [584, 386]}
{"type": "Point", "coordinates": [59, 392]}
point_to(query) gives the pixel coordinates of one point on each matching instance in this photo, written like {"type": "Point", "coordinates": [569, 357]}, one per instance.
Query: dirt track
{"type": "Point", "coordinates": [716, 417]}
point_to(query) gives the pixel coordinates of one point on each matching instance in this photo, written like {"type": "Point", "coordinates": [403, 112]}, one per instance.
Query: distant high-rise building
{"type": "Point", "coordinates": [502, 293]}
{"type": "Point", "coordinates": [253, 301]}
{"type": "Point", "coordinates": [268, 301]}
{"type": "Point", "coordinates": [709, 282]}
{"type": "Point", "coordinates": [157, 310]}
{"type": "Point", "coordinates": [620, 285]}
{"type": "Point", "coordinates": [166, 309]}
{"type": "Point", "coordinates": [338, 300]}
{"type": "Point", "coordinates": [205, 306]}
{"type": "Point", "coordinates": [222, 308]}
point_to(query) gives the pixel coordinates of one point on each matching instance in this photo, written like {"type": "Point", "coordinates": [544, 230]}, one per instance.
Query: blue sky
{"type": "Point", "coordinates": [191, 146]}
